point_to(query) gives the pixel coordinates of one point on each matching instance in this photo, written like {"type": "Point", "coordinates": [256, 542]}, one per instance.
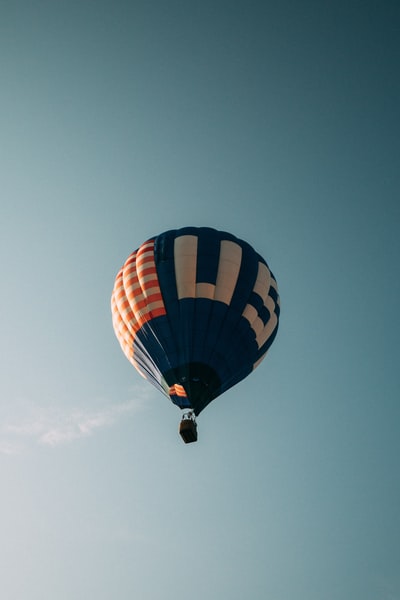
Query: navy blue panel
{"type": "Point", "coordinates": [214, 324]}
{"type": "Point", "coordinates": [264, 315]}
{"type": "Point", "coordinates": [164, 246]}
{"type": "Point", "coordinates": [240, 359]}
{"type": "Point", "coordinates": [243, 347]}
{"type": "Point", "coordinates": [167, 281]}
{"type": "Point", "coordinates": [247, 278]}
{"type": "Point", "coordinates": [273, 293]}
{"type": "Point", "coordinates": [201, 328]}
{"type": "Point", "coordinates": [208, 251]}
{"type": "Point", "coordinates": [256, 301]}
{"type": "Point", "coordinates": [234, 347]}
{"type": "Point", "coordinates": [184, 330]}
{"type": "Point", "coordinates": [229, 335]}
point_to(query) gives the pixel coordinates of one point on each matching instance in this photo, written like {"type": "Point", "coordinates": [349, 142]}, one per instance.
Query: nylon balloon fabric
{"type": "Point", "coordinates": [195, 311]}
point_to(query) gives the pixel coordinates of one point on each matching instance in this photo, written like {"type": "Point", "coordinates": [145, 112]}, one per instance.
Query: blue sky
{"type": "Point", "coordinates": [277, 122]}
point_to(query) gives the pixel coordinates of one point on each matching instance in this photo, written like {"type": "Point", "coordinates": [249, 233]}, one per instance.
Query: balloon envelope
{"type": "Point", "coordinates": [195, 311]}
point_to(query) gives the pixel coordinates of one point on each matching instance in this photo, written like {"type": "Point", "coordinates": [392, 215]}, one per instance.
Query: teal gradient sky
{"type": "Point", "coordinates": [278, 122]}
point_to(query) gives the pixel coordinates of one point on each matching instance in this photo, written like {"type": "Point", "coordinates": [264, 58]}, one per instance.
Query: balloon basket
{"type": "Point", "coordinates": [188, 428]}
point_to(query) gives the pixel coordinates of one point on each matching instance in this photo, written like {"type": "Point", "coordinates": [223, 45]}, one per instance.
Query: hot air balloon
{"type": "Point", "coordinates": [195, 311]}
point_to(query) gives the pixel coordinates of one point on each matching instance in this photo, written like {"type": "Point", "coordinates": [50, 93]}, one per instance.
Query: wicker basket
{"type": "Point", "coordinates": [188, 430]}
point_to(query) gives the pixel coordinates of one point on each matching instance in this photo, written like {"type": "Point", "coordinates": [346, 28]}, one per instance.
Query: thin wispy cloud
{"type": "Point", "coordinates": [57, 427]}
{"type": "Point", "coordinates": [7, 447]}
{"type": "Point", "coordinates": [49, 426]}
